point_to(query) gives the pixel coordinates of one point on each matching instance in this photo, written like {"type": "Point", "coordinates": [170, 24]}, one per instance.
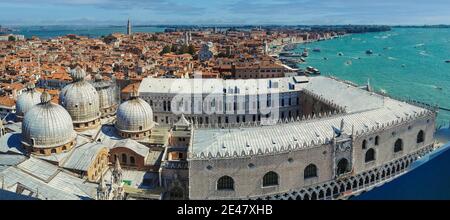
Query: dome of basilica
{"type": "Point", "coordinates": [134, 118]}
{"type": "Point", "coordinates": [107, 93]}
{"type": "Point", "coordinates": [81, 100]}
{"type": "Point", "coordinates": [47, 128]}
{"type": "Point", "coordinates": [29, 98]}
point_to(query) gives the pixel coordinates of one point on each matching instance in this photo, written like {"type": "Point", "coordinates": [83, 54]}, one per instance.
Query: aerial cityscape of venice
{"type": "Point", "coordinates": [224, 100]}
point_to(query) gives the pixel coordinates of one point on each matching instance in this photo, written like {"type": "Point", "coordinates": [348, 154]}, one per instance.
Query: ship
{"type": "Point", "coordinates": [369, 52]}
{"type": "Point", "coordinates": [312, 71]}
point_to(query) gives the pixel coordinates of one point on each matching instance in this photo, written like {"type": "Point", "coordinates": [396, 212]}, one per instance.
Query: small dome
{"type": "Point", "coordinates": [47, 125]}
{"type": "Point", "coordinates": [29, 98]}
{"type": "Point", "coordinates": [78, 74]}
{"type": "Point", "coordinates": [134, 115]}
{"type": "Point", "coordinates": [80, 98]}
{"type": "Point", "coordinates": [98, 77]}
{"type": "Point", "coordinates": [108, 96]}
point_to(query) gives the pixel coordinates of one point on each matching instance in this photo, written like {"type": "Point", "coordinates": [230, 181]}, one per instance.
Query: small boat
{"type": "Point", "coordinates": [340, 54]}
{"type": "Point", "coordinates": [447, 61]}
{"type": "Point", "coordinates": [368, 52]}
{"type": "Point", "coordinates": [316, 50]}
{"type": "Point", "coordinates": [403, 65]}
{"type": "Point", "coordinates": [325, 58]}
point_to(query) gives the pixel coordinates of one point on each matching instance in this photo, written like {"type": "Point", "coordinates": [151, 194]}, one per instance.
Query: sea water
{"type": "Point", "coordinates": [406, 63]}
{"type": "Point", "coordinates": [46, 32]}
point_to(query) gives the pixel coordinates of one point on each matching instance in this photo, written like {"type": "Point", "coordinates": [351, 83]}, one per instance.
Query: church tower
{"type": "Point", "coordinates": [117, 189]}
{"type": "Point", "coordinates": [102, 190]}
{"type": "Point", "coordinates": [129, 27]}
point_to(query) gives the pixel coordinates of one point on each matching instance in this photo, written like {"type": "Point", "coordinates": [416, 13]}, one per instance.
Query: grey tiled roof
{"type": "Point", "coordinates": [83, 156]}
{"type": "Point", "coordinates": [11, 159]}
{"type": "Point", "coordinates": [364, 112]}
{"type": "Point", "coordinates": [134, 146]}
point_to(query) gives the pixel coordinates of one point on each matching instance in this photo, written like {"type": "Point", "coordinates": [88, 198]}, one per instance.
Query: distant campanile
{"type": "Point", "coordinates": [129, 27]}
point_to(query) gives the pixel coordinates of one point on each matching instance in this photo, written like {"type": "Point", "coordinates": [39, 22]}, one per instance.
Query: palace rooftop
{"type": "Point", "coordinates": [364, 112]}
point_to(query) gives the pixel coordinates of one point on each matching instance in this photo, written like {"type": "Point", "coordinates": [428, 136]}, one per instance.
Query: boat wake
{"type": "Point", "coordinates": [424, 53]}
{"type": "Point", "coordinates": [392, 58]}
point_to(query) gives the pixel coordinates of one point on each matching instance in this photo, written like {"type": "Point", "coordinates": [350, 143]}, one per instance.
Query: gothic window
{"type": "Point", "coordinates": [420, 137]}
{"type": "Point", "coordinates": [364, 144]}
{"type": "Point", "coordinates": [124, 158]}
{"type": "Point", "coordinates": [377, 140]}
{"type": "Point", "coordinates": [398, 146]}
{"type": "Point", "coordinates": [310, 171]}
{"type": "Point", "coordinates": [270, 179]}
{"type": "Point", "coordinates": [343, 166]}
{"type": "Point", "coordinates": [370, 155]}
{"type": "Point", "coordinates": [225, 183]}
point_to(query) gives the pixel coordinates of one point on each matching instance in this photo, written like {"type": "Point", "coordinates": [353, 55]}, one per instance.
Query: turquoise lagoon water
{"type": "Point", "coordinates": [406, 62]}
{"type": "Point", "coordinates": [46, 32]}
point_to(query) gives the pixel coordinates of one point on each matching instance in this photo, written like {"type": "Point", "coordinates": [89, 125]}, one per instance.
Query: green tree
{"type": "Point", "coordinates": [11, 38]}
{"type": "Point", "coordinates": [183, 49]}
{"type": "Point", "coordinates": [174, 48]}
{"type": "Point", "coordinates": [165, 50]}
{"type": "Point", "coordinates": [191, 50]}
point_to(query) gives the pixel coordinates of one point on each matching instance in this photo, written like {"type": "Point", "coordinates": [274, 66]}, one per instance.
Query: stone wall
{"type": "Point", "coordinates": [248, 172]}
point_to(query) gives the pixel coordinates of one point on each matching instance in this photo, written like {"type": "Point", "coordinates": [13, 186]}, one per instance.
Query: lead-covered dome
{"type": "Point", "coordinates": [134, 118]}
{"type": "Point", "coordinates": [107, 95]}
{"type": "Point", "coordinates": [81, 100]}
{"type": "Point", "coordinates": [47, 128]}
{"type": "Point", "coordinates": [29, 98]}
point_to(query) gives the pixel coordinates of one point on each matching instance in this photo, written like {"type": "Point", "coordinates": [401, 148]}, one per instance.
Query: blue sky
{"type": "Point", "coordinates": [41, 12]}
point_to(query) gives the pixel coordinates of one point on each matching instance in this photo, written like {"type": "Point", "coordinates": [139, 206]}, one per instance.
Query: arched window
{"type": "Point", "coordinates": [270, 179]}
{"type": "Point", "coordinates": [364, 144]}
{"type": "Point", "coordinates": [310, 171]}
{"type": "Point", "coordinates": [225, 183]}
{"type": "Point", "coordinates": [343, 166]}
{"type": "Point", "coordinates": [53, 151]}
{"type": "Point", "coordinates": [132, 160]}
{"type": "Point", "coordinates": [398, 146]}
{"type": "Point", "coordinates": [377, 140]}
{"type": "Point", "coordinates": [370, 155]}
{"type": "Point", "coordinates": [124, 158]}
{"type": "Point", "coordinates": [420, 137]}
